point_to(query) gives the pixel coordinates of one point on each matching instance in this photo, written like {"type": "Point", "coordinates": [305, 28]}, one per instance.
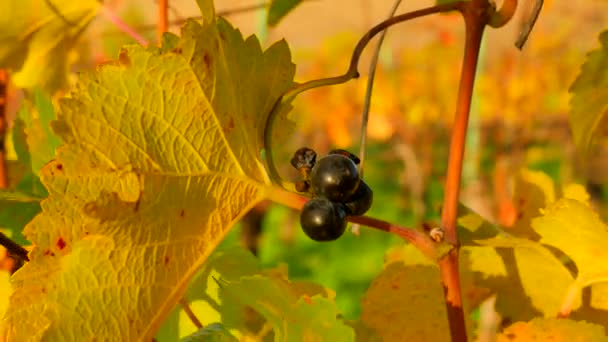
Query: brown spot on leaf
{"type": "Point", "coordinates": [166, 261]}
{"type": "Point", "coordinates": [511, 336]}
{"type": "Point", "coordinates": [522, 202]}
{"type": "Point", "coordinates": [177, 50]}
{"type": "Point", "coordinates": [123, 58]}
{"type": "Point", "coordinates": [43, 290]}
{"type": "Point", "coordinates": [49, 253]}
{"type": "Point", "coordinates": [136, 207]}
{"type": "Point", "coordinates": [207, 60]}
{"type": "Point", "coordinates": [59, 167]}
{"type": "Point", "coordinates": [395, 286]}
{"type": "Point", "coordinates": [182, 213]}
{"type": "Point", "coordinates": [60, 243]}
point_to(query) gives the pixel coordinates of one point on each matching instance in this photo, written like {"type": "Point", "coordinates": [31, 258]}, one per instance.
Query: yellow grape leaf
{"type": "Point", "coordinates": [37, 36]}
{"type": "Point", "coordinates": [576, 230]}
{"type": "Point", "coordinates": [162, 156]}
{"type": "Point", "coordinates": [533, 191]}
{"type": "Point", "coordinates": [553, 329]}
{"type": "Point", "coordinates": [589, 101]}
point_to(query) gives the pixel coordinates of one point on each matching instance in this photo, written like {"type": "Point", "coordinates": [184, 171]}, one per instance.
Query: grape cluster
{"type": "Point", "coordinates": [337, 190]}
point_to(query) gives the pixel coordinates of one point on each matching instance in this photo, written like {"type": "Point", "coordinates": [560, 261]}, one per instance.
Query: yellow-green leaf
{"type": "Point", "coordinates": [161, 158]}
{"type": "Point", "coordinates": [37, 36]}
{"type": "Point", "coordinates": [211, 333]}
{"type": "Point", "coordinates": [589, 101]}
{"type": "Point", "coordinates": [553, 329]}
{"type": "Point", "coordinates": [294, 317]}
{"type": "Point", "coordinates": [41, 141]}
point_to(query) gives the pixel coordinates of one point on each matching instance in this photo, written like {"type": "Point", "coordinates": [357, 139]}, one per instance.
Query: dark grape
{"type": "Point", "coordinates": [323, 220]}
{"type": "Point", "coordinates": [304, 158]}
{"type": "Point", "coordinates": [360, 202]}
{"type": "Point", "coordinates": [335, 176]}
{"type": "Point", "coordinates": [345, 153]}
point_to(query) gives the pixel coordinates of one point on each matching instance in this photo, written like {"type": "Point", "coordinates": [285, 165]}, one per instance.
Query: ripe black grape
{"type": "Point", "coordinates": [323, 220]}
{"type": "Point", "coordinates": [360, 202]}
{"type": "Point", "coordinates": [345, 153]}
{"type": "Point", "coordinates": [335, 176]}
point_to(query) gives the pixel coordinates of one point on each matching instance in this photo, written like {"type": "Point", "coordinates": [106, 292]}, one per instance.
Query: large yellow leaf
{"type": "Point", "coordinates": [37, 36]}
{"type": "Point", "coordinates": [162, 156]}
{"type": "Point", "coordinates": [577, 230]}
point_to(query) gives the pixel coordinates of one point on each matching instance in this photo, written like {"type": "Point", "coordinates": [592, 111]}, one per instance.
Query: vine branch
{"type": "Point", "coordinates": [163, 19]}
{"type": "Point", "coordinates": [13, 248]}
{"type": "Point", "coordinates": [197, 323]}
{"type": "Point", "coordinates": [477, 14]}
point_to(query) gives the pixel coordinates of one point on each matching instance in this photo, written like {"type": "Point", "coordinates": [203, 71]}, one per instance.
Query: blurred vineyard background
{"type": "Point", "coordinates": [519, 118]}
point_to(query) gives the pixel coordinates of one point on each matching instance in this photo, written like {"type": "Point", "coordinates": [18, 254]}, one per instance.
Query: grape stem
{"type": "Point", "coordinates": [417, 238]}
{"type": "Point", "coordinates": [283, 101]}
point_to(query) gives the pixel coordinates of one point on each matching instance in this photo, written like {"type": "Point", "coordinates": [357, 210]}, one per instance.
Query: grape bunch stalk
{"type": "Point", "coordinates": [337, 192]}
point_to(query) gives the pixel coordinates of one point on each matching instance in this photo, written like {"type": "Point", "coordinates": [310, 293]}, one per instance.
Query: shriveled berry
{"type": "Point", "coordinates": [304, 158]}
{"type": "Point", "coordinates": [323, 220]}
{"type": "Point", "coordinates": [335, 176]}
{"type": "Point", "coordinates": [360, 202]}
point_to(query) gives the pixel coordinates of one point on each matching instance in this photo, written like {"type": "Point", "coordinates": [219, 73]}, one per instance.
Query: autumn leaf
{"type": "Point", "coordinates": [37, 36]}
{"type": "Point", "coordinates": [553, 329]}
{"type": "Point", "coordinates": [589, 101]}
{"type": "Point", "coordinates": [406, 301]}
{"type": "Point", "coordinates": [161, 158]}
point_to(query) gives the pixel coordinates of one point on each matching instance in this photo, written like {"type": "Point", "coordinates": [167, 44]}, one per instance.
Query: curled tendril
{"type": "Point", "coordinates": [351, 73]}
